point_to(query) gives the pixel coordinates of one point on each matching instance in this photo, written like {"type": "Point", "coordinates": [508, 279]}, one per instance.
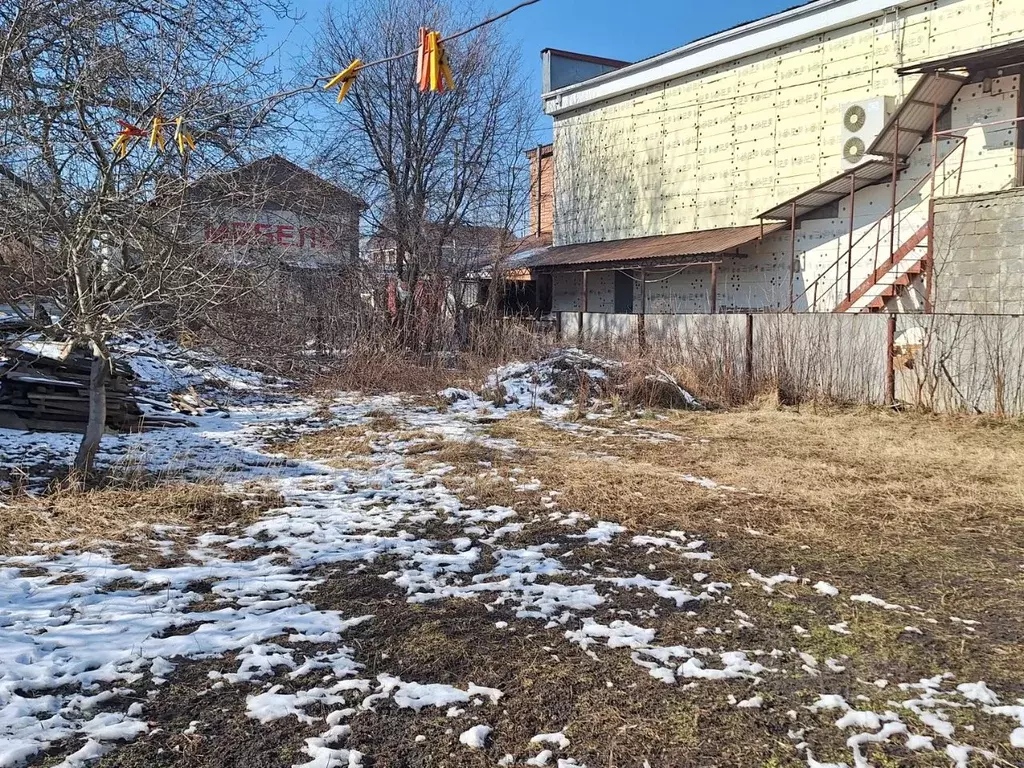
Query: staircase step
{"type": "Point", "coordinates": [886, 268]}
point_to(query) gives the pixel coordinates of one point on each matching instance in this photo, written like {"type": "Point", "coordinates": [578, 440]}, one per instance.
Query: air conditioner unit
{"type": "Point", "coordinates": [862, 122]}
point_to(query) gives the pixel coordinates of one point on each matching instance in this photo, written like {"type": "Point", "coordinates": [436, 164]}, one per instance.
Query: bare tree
{"type": "Point", "coordinates": [105, 237]}
{"type": "Point", "coordinates": [428, 164]}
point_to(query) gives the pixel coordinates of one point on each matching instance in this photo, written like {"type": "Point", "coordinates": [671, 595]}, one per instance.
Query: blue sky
{"type": "Point", "coordinates": [618, 29]}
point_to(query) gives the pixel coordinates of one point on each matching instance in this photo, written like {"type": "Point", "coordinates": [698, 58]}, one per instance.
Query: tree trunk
{"type": "Point", "coordinates": [97, 415]}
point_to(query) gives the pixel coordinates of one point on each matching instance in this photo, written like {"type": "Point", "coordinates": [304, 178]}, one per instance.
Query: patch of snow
{"type": "Point", "coordinates": [872, 600]}
{"type": "Point", "coordinates": [826, 589]}
{"type": "Point", "coordinates": [558, 739]}
{"type": "Point", "coordinates": [475, 737]}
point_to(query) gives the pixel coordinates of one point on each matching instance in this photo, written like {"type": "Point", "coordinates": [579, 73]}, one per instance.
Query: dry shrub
{"type": "Point", "coordinates": [375, 371]}
{"type": "Point", "coordinates": [648, 386]}
{"type": "Point", "coordinates": [86, 517]}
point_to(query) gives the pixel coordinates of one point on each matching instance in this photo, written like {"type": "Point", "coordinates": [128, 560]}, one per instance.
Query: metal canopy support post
{"type": "Point", "coordinates": [792, 252]}
{"type": "Point", "coordinates": [641, 321]}
{"type": "Point", "coordinates": [849, 246]}
{"type": "Point", "coordinates": [929, 268]}
{"type": "Point", "coordinates": [890, 351]}
{"type": "Point", "coordinates": [714, 288]}
{"type": "Point", "coordinates": [583, 310]}
{"type": "Point", "coordinates": [748, 357]}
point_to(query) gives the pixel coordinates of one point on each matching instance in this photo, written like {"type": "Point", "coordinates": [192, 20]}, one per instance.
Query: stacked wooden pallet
{"type": "Point", "coordinates": [48, 389]}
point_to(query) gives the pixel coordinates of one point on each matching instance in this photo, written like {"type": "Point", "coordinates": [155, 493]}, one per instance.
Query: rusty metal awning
{"type": "Point", "coordinates": [987, 58]}
{"type": "Point", "coordinates": [913, 119]}
{"type": "Point", "coordinates": [832, 191]}
{"type": "Point", "coordinates": [658, 248]}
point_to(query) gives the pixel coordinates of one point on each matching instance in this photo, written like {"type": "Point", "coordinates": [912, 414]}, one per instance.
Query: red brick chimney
{"type": "Point", "coordinates": [542, 189]}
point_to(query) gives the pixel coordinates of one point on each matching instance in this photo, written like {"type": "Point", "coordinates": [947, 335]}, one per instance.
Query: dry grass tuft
{"type": "Point", "coordinates": [395, 372]}
{"type": "Point", "coordinates": [331, 443]}
{"type": "Point", "coordinates": [86, 517]}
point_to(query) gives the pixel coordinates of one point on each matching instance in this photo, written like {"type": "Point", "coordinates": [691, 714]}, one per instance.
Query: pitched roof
{"type": "Point", "coordinates": [281, 182]}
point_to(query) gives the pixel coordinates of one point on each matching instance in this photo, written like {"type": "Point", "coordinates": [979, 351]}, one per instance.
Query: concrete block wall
{"type": "Point", "coordinates": [979, 254]}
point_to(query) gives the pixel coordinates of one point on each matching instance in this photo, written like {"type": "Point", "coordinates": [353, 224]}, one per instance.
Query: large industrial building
{"type": "Point", "coordinates": [844, 155]}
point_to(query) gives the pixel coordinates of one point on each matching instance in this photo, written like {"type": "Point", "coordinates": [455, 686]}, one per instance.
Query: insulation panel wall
{"type": "Point", "coordinates": [714, 149]}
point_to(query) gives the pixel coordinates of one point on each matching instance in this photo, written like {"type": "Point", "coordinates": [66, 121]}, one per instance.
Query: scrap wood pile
{"type": "Point", "coordinates": [45, 386]}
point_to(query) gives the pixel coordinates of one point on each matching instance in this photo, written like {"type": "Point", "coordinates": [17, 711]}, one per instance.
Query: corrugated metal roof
{"type": "Point", "coordinates": [986, 58]}
{"type": "Point", "coordinates": [833, 190]}
{"type": "Point", "coordinates": [699, 243]}
{"type": "Point", "coordinates": [915, 115]}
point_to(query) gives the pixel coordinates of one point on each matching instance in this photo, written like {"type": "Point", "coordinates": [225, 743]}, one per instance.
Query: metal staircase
{"type": "Point", "coordinates": [891, 278]}
{"type": "Point", "coordinates": [866, 276]}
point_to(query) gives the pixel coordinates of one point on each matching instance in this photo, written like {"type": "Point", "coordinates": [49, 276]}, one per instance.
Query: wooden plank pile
{"type": "Point", "coordinates": [46, 387]}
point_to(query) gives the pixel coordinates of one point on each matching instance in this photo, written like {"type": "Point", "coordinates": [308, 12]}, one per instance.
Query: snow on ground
{"type": "Point", "coordinates": [81, 633]}
{"type": "Point", "coordinates": [552, 386]}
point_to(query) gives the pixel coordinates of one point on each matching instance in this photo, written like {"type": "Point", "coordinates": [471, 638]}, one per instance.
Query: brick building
{"type": "Point", "coordinates": [274, 212]}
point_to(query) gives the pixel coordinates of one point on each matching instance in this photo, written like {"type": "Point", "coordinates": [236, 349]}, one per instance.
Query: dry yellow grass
{"type": "Point", "coordinates": [922, 508]}
{"type": "Point", "coordinates": [899, 475]}
{"type": "Point", "coordinates": [88, 517]}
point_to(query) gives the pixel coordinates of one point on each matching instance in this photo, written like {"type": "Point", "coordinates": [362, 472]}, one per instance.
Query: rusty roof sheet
{"type": "Point", "coordinates": [700, 243]}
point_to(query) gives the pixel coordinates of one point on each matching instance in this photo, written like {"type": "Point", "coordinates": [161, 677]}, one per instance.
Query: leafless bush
{"type": "Point", "coordinates": [971, 363]}
{"type": "Point", "coordinates": [794, 358]}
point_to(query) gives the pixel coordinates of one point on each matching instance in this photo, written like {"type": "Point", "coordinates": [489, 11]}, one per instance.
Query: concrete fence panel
{"type": "Point", "coordinates": [967, 363]}
{"type": "Point", "coordinates": [611, 328]}
{"type": "Point", "coordinates": [823, 355]}
{"type": "Point", "coordinates": [945, 363]}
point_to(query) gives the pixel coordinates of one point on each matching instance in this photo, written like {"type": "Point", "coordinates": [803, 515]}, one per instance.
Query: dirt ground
{"type": "Point", "coordinates": [917, 521]}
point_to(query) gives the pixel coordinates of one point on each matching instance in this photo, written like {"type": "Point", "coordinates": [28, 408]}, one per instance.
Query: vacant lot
{"type": "Point", "coordinates": [422, 585]}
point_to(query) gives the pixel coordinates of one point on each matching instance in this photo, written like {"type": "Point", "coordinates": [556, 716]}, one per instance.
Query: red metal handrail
{"type": "Point", "coordinates": [875, 226]}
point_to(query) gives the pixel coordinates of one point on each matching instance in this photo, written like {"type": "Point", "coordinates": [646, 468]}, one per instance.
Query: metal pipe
{"type": "Point", "coordinates": [714, 288]}
{"type": "Point", "coordinates": [890, 370]}
{"type": "Point", "coordinates": [929, 269]}
{"type": "Point", "coordinates": [583, 310]}
{"type": "Point", "coordinates": [792, 251]}
{"type": "Point", "coordinates": [960, 170]}
{"type": "Point", "coordinates": [849, 248]}
{"type": "Point", "coordinates": [748, 359]}
{"type": "Point", "coordinates": [641, 323]}
{"type": "Point", "coordinates": [892, 198]}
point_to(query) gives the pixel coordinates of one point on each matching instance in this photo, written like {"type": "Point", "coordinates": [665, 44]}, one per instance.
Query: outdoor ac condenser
{"type": "Point", "coordinates": [862, 122]}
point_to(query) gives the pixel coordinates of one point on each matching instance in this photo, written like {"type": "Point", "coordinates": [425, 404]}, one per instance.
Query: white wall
{"type": "Point", "coordinates": [760, 280]}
